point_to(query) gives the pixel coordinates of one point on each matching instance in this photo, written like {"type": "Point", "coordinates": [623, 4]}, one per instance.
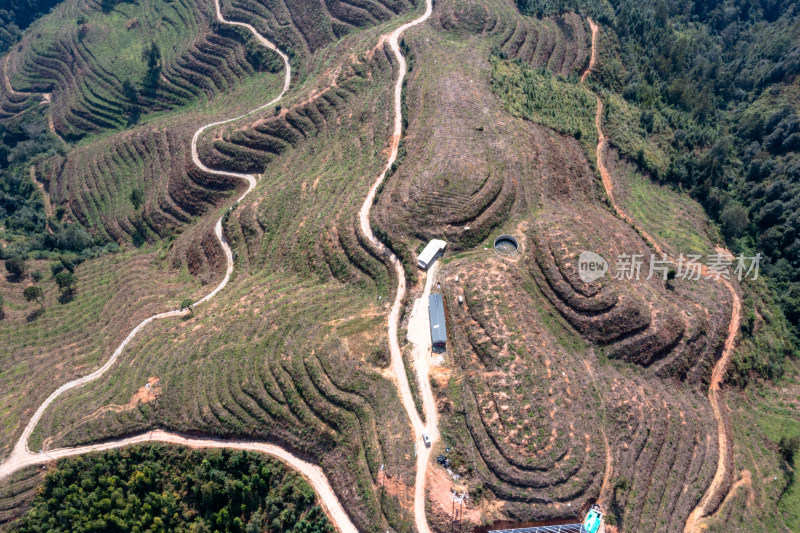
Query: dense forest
{"type": "Point", "coordinates": [17, 15]}
{"type": "Point", "coordinates": [175, 489]}
{"type": "Point", "coordinates": [722, 77]}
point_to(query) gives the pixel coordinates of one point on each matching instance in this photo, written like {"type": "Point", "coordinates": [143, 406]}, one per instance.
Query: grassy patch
{"type": "Point", "coordinates": [538, 95]}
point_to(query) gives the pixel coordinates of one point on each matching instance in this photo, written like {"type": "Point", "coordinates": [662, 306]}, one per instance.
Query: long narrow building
{"type": "Point", "coordinates": [437, 321]}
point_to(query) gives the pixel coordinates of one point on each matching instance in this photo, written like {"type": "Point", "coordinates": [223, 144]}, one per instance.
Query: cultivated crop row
{"type": "Point", "coordinates": [96, 78]}
{"type": "Point", "coordinates": [287, 353]}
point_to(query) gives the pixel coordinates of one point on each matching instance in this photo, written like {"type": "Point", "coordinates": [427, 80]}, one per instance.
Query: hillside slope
{"type": "Point", "coordinates": [554, 393]}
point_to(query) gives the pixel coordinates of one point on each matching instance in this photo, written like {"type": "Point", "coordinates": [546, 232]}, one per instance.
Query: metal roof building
{"type": "Point", "coordinates": [437, 320]}
{"type": "Point", "coordinates": [430, 253]}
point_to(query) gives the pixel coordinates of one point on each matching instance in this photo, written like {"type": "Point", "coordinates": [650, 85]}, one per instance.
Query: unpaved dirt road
{"type": "Point", "coordinates": [606, 484]}
{"type": "Point", "coordinates": [21, 446]}
{"type": "Point", "coordinates": [593, 56]}
{"type": "Point", "coordinates": [21, 456]}
{"type": "Point", "coordinates": [397, 366]}
{"type": "Point", "coordinates": [420, 337]}
{"type": "Point", "coordinates": [718, 374]}
{"type": "Point", "coordinates": [722, 417]}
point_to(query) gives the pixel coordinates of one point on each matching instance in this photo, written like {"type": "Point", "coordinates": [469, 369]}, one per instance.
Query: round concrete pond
{"type": "Point", "coordinates": [506, 245]}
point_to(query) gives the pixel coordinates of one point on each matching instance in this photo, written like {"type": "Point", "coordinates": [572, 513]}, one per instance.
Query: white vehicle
{"type": "Point", "coordinates": [426, 439]}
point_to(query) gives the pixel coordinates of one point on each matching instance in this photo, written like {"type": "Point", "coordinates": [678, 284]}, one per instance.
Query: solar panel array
{"type": "Point", "coordinates": [566, 528]}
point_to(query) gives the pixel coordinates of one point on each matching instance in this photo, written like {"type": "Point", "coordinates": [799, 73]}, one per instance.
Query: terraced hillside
{"type": "Point", "coordinates": [251, 147]}
{"type": "Point", "coordinates": [170, 249]}
{"type": "Point", "coordinates": [332, 419]}
{"type": "Point", "coordinates": [469, 178]}
{"type": "Point", "coordinates": [554, 393]}
{"type": "Point", "coordinates": [306, 28]}
{"type": "Point", "coordinates": [95, 184]}
{"type": "Point", "coordinates": [764, 419]}
{"type": "Point", "coordinates": [84, 66]}
{"type": "Point", "coordinates": [17, 494]}
{"type": "Point", "coordinates": [557, 391]}
{"type": "Point", "coordinates": [293, 350]}
{"type": "Point", "coordinates": [74, 335]}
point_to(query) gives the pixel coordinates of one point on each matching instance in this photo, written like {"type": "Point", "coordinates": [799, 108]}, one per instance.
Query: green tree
{"type": "Point", "coordinates": [788, 447]}
{"type": "Point", "coordinates": [188, 303]}
{"type": "Point", "coordinates": [16, 266]}
{"type": "Point", "coordinates": [671, 275]}
{"type": "Point", "coordinates": [2, 308]}
{"type": "Point", "coordinates": [137, 198]}
{"type": "Point", "coordinates": [129, 91]}
{"type": "Point", "coordinates": [734, 220]}
{"type": "Point", "coordinates": [161, 488]}
{"type": "Point", "coordinates": [66, 281]}
{"type": "Point", "coordinates": [132, 109]}
{"type": "Point", "coordinates": [152, 56]}
{"type": "Point", "coordinates": [34, 293]}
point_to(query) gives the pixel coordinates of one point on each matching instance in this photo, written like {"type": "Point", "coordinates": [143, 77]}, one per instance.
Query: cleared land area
{"type": "Point", "coordinates": [340, 267]}
{"type": "Point", "coordinates": [324, 408]}
{"type": "Point", "coordinates": [535, 389]}
{"type": "Point", "coordinates": [402, 122]}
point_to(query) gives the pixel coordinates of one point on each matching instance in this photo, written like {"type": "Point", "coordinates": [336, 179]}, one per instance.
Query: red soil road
{"type": "Point", "coordinates": [714, 491]}
{"type": "Point", "coordinates": [725, 460]}
{"type": "Point", "coordinates": [604, 487]}
{"type": "Point", "coordinates": [593, 57]}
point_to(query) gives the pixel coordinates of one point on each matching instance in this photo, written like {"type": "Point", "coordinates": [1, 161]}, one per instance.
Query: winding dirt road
{"type": "Point", "coordinates": [606, 484]}
{"type": "Point", "coordinates": [593, 56]}
{"type": "Point", "coordinates": [21, 446]}
{"type": "Point", "coordinates": [718, 374]}
{"type": "Point", "coordinates": [423, 453]}
{"type": "Point", "coordinates": [725, 460]}
{"type": "Point", "coordinates": [21, 456]}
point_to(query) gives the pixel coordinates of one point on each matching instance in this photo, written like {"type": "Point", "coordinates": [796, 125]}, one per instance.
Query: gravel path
{"type": "Point", "coordinates": [401, 380]}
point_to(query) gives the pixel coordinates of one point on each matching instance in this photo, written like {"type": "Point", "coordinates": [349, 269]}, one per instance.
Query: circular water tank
{"type": "Point", "coordinates": [506, 245]}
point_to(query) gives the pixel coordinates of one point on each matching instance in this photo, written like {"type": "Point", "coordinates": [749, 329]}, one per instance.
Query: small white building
{"type": "Point", "coordinates": [431, 253]}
